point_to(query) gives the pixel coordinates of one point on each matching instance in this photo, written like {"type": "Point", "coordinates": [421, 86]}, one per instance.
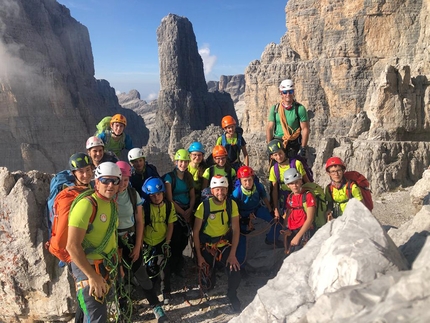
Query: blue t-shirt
{"type": "Point", "coordinates": [180, 193]}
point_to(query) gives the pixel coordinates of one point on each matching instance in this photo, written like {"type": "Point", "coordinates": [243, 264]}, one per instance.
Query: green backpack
{"type": "Point", "coordinates": [103, 125]}
{"type": "Point", "coordinates": [321, 203]}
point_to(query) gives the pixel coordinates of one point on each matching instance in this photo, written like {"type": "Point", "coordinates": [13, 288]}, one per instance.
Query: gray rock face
{"type": "Point", "coordinates": [232, 84]}
{"type": "Point", "coordinates": [50, 99]}
{"type": "Point", "coordinates": [352, 250]}
{"type": "Point", "coordinates": [420, 193]}
{"type": "Point", "coordinates": [184, 103]}
{"type": "Point", "coordinates": [146, 111]}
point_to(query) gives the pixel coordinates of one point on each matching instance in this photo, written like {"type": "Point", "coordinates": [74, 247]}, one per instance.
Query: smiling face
{"type": "Point", "coordinates": [84, 175]}
{"type": "Point", "coordinates": [139, 165]}
{"type": "Point", "coordinates": [287, 97]}
{"type": "Point", "coordinates": [125, 180]}
{"type": "Point", "coordinates": [196, 157]}
{"type": "Point", "coordinates": [96, 154]}
{"type": "Point", "coordinates": [219, 193]}
{"type": "Point", "coordinates": [295, 186]}
{"type": "Point", "coordinates": [107, 190]}
{"type": "Point", "coordinates": [279, 156]}
{"type": "Point", "coordinates": [117, 128]}
{"type": "Point", "coordinates": [182, 165]}
{"type": "Point", "coordinates": [230, 129]}
{"type": "Point", "coordinates": [220, 161]}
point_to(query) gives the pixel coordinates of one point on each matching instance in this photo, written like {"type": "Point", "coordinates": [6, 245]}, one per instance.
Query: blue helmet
{"type": "Point", "coordinates": [196, 146]}
{"type": "Point", "coordinates": [153, 185]}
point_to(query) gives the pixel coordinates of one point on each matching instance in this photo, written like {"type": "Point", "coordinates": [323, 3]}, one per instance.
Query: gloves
{"type": "Point", "coordinates": [302, 151]}
{"type": "Point", "coordinates": [165, 248]}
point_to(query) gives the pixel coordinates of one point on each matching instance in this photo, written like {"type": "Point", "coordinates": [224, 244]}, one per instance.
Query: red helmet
{"type": "Point", "coordinates": [244, 171]}
{"type": "Point", "coordinates": [219, 151]}
{"type": "Point", "coordinates": [334, 161]}
{"type": "Point", "coordinates": [227, 121]}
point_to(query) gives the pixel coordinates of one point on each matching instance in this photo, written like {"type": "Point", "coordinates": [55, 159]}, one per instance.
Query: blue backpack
{"type": "Point", "coordinates": [58, 182]}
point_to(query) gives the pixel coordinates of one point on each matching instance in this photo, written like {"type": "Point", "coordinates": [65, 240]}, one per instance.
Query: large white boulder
{"type": "Point", "coordinates": [420, 193]}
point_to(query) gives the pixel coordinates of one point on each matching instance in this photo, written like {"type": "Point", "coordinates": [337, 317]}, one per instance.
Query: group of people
{"type": "Point", "coordinates": [136, 224]}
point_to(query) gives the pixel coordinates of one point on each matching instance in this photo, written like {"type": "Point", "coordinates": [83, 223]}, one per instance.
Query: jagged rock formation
{"type": "Point", "coordinates": [363, 75]}
{"type": "Point", "coordinates": [132, 101]}
{"type": "Point", "coordinates": [50, 99]}
{"type": "Point", "coordinates": [232, 84]}
{"type": "Point", "coordinates": [184, 103]}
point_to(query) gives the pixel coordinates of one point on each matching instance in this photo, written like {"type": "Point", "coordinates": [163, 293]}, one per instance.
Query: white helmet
{"type": "Point", "coordinates": [108, 169]}
{"type": "Point", "coordinates": [135, 153]}
{"type": "Point", "coordinates": [219, 181]}
{"type": "Point", "coordinates": [94, 142]}
{"type": "Point", "coordinates": [286, 85]}
{"type": "Point", "coordinates": [291, 175]}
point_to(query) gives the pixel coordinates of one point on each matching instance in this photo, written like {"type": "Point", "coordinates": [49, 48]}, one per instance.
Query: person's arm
{"type": "Point", "coordinates": [267, 203]}
{"type": "Point", "coordinates": [139, 233]}
{"type": "Point", "coordinates": [245, 156]}
{"type": "Point", "coordinates": [189, 211]}
{"type": "Point", "coordinates": [275, 202]}
{"type": "Point", "coordinates": [269, 131]}
{"type": "Point", "coordinates": [128, 142]}
{"type": "Point", "coordinates": [232, 260]}
{"type": "Point", "coordinates": [305, 133]}
{"type": "Point", "coordinates": [310, 215]}
{"type": "Point", "coordinates": [97, 283]}
{"type": "Point", "coordinates": [196, 237]}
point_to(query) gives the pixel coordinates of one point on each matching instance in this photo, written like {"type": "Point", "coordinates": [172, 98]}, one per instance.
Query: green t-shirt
{"type": "Point", "coordinates": [291, 117]}
{"type": "Point", "coordinates": [80, 217]}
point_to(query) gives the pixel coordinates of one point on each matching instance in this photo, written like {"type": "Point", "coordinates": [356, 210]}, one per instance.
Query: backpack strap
{"type": "Point", "coordinates": [133, 197]}
{"type": "Point", "coordinates": [293, 163]}
{"type": "Point", "coordinates": [223, 140]}
{"type": "Point", "coordinates": [277, 173]}
{"type": "Point", "coordinates": [168, 210]}
{"type": "Point", "coordinates": [296, 107]}
{"type": "Point", "coordinates": [147, 211]}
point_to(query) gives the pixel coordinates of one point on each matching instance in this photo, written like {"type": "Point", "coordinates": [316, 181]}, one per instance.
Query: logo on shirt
{"type": "Point", "coordinates": [103, 217]}
{"type": "Point", "coordinates": [212, 216]}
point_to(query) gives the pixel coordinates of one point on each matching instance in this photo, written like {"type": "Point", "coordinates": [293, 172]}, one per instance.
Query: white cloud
{"type": "Point", "coordinates": [208, 59]}
{"type": "Point", "coordinates": [151, 96]}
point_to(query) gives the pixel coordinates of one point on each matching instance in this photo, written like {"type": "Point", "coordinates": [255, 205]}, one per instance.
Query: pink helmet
{"type": "Point", "coordinates": [125, 168]}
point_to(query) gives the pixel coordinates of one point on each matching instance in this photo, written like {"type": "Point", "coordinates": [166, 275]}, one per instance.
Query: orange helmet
{"type": "Point", "coordinates": [219, 151]}
{"type": "Point", "coordinates": [118, 118]}
{"type": "Point", "coordinates": [227, 121]}
{"type": "Point", "coordinates": [334, 161]}
{"type": "Point", "coordinates": [245, 171]}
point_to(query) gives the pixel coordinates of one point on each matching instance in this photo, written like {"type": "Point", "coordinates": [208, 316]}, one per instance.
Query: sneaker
{"type": "Point", "coordinates": [166, 298]}
{"type": "Point", "coordinates": [159, 314]}
{"type": "Point", "coordinates": [277, 243]}
{"type": "Point", "coordinates": [235, 303]}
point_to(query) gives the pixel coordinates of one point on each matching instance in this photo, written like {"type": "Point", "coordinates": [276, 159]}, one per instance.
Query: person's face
{"type": "Point", "coordinates": [287, 96]}
{"type": "Point", "coordinates": [84, 175]}
{"type": "Point", "coordinates": [220, 161]}
{"type": "Point", "coordinates": [139, 164]}
{"type": "Point", "coordinates": [230, 129]}
{"type": "Point", "coordinates": [107, 186]}
{"type": "Point", "coordinates": [336, 173]}
{"type": "Point", "coordinates": [96, 153]}
{"type": "Point", "coordinates": [125, 180]}
{"type": "Point", "coordinates": [279, 156]}
{"type": "Point", "coordinates": [295, 186]}
{"type": "Point", "coordinates": [220, 193]}
{"type": "Point", "coordinates": [156, 198]}
{"type": "Point", "coordinates": [196, 157]}
{"type": "Point", "coordinates": [182, 165]}
{"type": "Point", "coordinates": [247, 182]}
{"type": "Point", "coordinates": [118, 128]}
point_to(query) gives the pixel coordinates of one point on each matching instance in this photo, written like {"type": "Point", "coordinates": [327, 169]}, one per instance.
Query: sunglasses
{"type": "Point", "coordinates": [108, 180]}
{"type": "Point", "coordinates": [287, 92]}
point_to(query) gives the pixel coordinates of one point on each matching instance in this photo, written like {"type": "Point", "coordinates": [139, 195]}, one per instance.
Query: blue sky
{"type": "Point", "coordinates": [229, 33]}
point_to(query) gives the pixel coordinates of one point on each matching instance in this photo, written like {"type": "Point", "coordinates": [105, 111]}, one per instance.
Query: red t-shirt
{"type": "Point", "coordinates": [297, 216]}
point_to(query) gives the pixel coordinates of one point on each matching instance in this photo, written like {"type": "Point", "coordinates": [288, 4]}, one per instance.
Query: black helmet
{"type": "Point", "coordinates": [274, 145]}
{"type": "Point", "coordinates": [79, 160]}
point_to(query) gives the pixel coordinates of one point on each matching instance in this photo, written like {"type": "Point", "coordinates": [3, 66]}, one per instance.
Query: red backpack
{"type": "Point", "coordinates": [362, 183]}
{"type": "Point", "coordinates": [62, 205]}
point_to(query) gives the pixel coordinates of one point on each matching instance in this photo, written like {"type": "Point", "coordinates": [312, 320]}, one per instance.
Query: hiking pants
{"type": "Point", "coordinates": [272, 235]}
{"type": "Point", "coordinates": [181, 232]}
{"type": "Point", "coordinates": [94, 311]}
{"type": "Point", "coordinates": [234, 277]}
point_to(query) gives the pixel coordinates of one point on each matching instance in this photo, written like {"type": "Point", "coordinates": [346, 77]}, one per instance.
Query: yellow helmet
{"type": "Point", "coordinates": [118, 118]}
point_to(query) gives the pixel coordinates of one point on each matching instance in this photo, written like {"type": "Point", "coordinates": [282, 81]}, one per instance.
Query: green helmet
{"type": "Point", "coordinates": [79, 160]}
{"type": "Point", "coordinates": [182, 154]}
{"type": "Point", "coordinates": [274, 146]}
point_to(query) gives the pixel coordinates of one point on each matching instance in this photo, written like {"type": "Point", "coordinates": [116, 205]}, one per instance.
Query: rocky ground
{"type": "Point", "coordinates": [189, 305]}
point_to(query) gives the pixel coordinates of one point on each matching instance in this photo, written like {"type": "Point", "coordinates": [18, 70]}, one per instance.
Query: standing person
{"type": "Point", "coordinates": [160, 217]}
{"type": "Point", "coordinates": [214, 244]}
{"type": "Point", "coordinates": [248, 196]}
{"type": "Point", "coordinates": [337, 191]}
{"type": "Point", "coordinates": [196, 167]}
{"type": "Point", "coordinates": [299, 217]}
{"type": "Point", "coordinates": [180, 190]}
{"type": "Point", "coordinates": [96, 149]}
{"type": "Point", "coordinates": [221, 167]}
{"type": "Point", "coordinates": [276, 174]}
{"type": "Point", "coordinates": [142, 170]}
{"type": "Point", "coordinates": [233, 142]}
{"type": "Point", "coordinates": [288, 121]}
{"type": "Point", "coordinates": [115, 139]}
{"type": "Point", "coordinates": [93, 248]}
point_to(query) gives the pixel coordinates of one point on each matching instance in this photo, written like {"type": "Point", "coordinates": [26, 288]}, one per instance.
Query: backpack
{"type": "Point", "coordinates": [147, 211]}
{"type": "Point", "coordinates": [204, 238]}
{"type": "Point", "coordinates": [321, 205]}
{"type": "Point", "coordinates": [233, 150]}
{"type": "Point", "coordinates": [61, 209]}
{"type": "Point", "coordinates": [133, 198]}
{"type": "Point", "coordinates": [237, 186]}
{"type": "Point", "coordinates": [61, 179]}
{"type": "Point", "coordinates": [173, 178]}
{"type": "Point", "coordinates": [363, 184]}
{"type": "Point", "coordinates": [308, 170]}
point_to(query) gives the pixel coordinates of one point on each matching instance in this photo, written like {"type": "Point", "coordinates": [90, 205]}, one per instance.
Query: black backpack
{"type": "Point", "coordinates": [147, 211]}
{"type": "Point", "coordinates": [204, 238]}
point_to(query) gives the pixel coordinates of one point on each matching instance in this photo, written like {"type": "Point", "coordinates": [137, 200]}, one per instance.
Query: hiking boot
{"type": "Point", "coordinates": [166, 298]}
{"type": "Point", "coordinates": [235, 303]}
{"type": "Point", "coordinates": [159, 314]}
{"type": "Point", "coordinates": [277, 243]}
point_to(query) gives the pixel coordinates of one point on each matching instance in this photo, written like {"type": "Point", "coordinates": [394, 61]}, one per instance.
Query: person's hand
{"type": "Point", "coordinates": [121, 271]}
{"type": "Point", "coordinates": [329, 216]}
{"type": "Point", "coordinates": [233, 263]}
{"type": "Point", "coordinates": [302, 151]}
{"type": "Point", "coordinates": [98, 286]}
{"type": "Point", "coordinates": [135, 253]}
{"type": "Point", "coordinates": [201, 262]}
{"type": "Point", "coordinates": [276, 214]}
{"type": "Point", "coordinates": [295, 241]}
{"type": "Point", "coordinates": [166, 250]}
